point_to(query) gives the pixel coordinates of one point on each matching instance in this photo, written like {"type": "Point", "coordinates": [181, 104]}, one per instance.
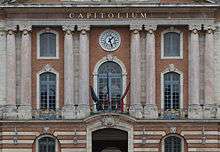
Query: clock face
{"type": "Point", "coordinates": [110, 40]}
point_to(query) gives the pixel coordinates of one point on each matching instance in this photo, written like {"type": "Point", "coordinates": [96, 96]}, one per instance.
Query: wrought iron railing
{"type": "Point", "coordinates": [173, 114]}
{"type": "Point", "coordinates": [46, 114]}
{"type": "Point", "coordinates": [104, 107]}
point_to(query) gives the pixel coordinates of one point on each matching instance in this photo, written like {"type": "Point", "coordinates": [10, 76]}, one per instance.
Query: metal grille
{"type": "Point", "coordinates": [48, 45]}
{"type": "Point", "coordinates": [171, 44]}
{"type": "Point", "coordinates": [173, 144]}
{"type": "Point", "coordinates": [171, 91]}
{"type": "Point", "coordinates": [48, 91]}
{"type": "Point", "coordinates": [46, 144]}
{"type": "Point", "coordinates": [109, 86]}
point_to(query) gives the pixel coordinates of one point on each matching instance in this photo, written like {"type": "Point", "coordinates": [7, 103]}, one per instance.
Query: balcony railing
{"type": "Point", "coordinates": [47, 114]}
{"type": "Point", "coordinates": [173, 114]}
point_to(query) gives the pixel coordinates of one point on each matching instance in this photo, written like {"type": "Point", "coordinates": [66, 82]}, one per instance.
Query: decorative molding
{"type": "Point", "coordinates": [136, 27]}
{"type": "Point", "coordinates": [68, 27]}
{"type": "Point", "coordinates": [150, 28]}
{"type": "Point", "coordinates": [195, 27]}
{"type": "Point", "coordinates": [25, 27]}
{"type": "Point", "coordinates": [83, 27]}
{"type": "Point", "coordinates": [109, 121]}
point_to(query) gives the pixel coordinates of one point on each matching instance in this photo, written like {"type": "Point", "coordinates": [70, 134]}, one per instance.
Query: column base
{"type": "Point", "coordinates": [136, 110]}
{"type": "Point", "coordinates": [210, 111]}
{"type": "Point", "coordinates": [150, 111]}
{"type": "Point", "coordinates": [69, 112]}
{"type": "Point", "coordinates": [9, 112]}
{"type": "Point", "coordinates": [83, 111]}
{"type": "Point", "coordinates": [195, 111]}
{"type": "Point", "coordinates": [25, 112]}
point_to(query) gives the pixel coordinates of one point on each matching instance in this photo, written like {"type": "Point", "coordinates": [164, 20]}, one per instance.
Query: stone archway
{"type": "Point", "coordinates": [109, 140]}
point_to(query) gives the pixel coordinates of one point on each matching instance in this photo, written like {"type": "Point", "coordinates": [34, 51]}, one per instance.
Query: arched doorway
{"type": "Point", "coordinates": [109, 140]}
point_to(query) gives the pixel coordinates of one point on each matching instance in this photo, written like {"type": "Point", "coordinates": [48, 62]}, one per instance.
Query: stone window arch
{"type": "Point", "coordinates": [173, 143]}
{"type": "Point", "coordinates": [47, 143]}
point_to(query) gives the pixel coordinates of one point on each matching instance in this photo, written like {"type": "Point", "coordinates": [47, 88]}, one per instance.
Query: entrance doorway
{"type": "Point", "coordinates": [109, 140]}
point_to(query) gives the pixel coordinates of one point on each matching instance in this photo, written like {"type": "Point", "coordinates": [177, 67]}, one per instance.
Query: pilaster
{"type": "Point", "coordinates": [195, 110]}
{"type": "Point", "coordinates": [210, 110]}
{"type": "Point", "coordinates": [136, 109]}
{"type": "Point", "coordinates": [68, 110]}
{"type": "Point", "coordinates": [10, 108]}
{"type": "Point", "coordinates": [24, 109]}
{"type": "Point", "coordinates": [83, 105]}
{"type": "Point", "coordinates": [150, 109]}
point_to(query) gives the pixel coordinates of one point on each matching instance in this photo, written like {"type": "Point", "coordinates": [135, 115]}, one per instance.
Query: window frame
{"type": "Point", "coordinates": [171, 68]}
{"type": "Point", "coordinates": [170, 135]}
{"type": "Point", "coordinates": [38, 44]}
{"type": "Point", "coordinates": [162, 44]}
{"type": "Point", "coordinates": [47, 68]}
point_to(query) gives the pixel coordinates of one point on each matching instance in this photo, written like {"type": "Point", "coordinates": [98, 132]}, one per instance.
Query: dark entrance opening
{"type": "Point", "coordinates": [109, 140]}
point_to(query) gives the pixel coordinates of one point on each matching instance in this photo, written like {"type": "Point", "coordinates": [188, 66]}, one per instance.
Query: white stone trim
{"type": "Point", "coordinates": [120, 125]}
{"type": "Point", "coordinates": [203, 149]}
{"type": "Point", "coordinates": [47, 68]}
{"type": "Point", "coordinates": [163, 133]}
{"type": "Point", "coordinates": [38, 43]}
{"type": "Point", "coordinates": [182, 142]}
{"type": "Point", "coordinates": [73, 150]}
{"type": "Point", "coordinates": [181, 43]}
{"type": "Point", "coordinates": [46, 135]}
{"type": "Point", "coordinates": [146, 149]}
{"type": "Point", "coordinates": [16, 150]}
{"type": "Point", "coordinates": [171, 68]}
{"type": "Point", "coordinates": [124, 73]}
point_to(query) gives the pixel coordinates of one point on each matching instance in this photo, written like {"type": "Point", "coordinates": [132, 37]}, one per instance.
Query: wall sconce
{"type": "Point", "coordinates": [15, 137]}
{"type": "Point", "coordinates": [144, 137]}
{"type": "Point", "coordinates": [75, 139]}
{"type": "Point", "coordinates": [203, 136]}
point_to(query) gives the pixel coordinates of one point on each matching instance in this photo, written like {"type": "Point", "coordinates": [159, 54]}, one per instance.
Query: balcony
{"type": "Point", "coordinates": [173, 114]}
{"type": "Point", "coordinates": [46, 114]}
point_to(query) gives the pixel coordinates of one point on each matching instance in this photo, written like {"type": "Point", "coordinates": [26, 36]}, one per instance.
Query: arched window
{"type": "Point", "coordinates": [46, 144]}
{"type": "Point", "coordinates": [47, 44]}
{"type": "Point", "coordinates": [48, 91]}
{"type": "Point", "coordinates": [171, 91]}
{"type": "Point", "coordinates": [173, 144]}
{"type": "Point", "coordinates": [109, 85]}
{"type": "Point", "coordinates": [172, 45]}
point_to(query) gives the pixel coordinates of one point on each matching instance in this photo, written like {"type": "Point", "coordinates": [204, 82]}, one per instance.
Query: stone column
{"type": "Point", "coordinates": [2, 71]}
{"type": "Point", "coordinates": [25, 105]}
{"type": "Point", "coordinates": [136, 109]}
{"type": "Point", "coordinates": [150, 109]}
{"type": "Point", "coordinates": [11, 74]}
{"type": "Point", "coordinates": [195, 110]}
{"type": "Point", "coordinates": [68, 110]}
{"type": "Point", "coordinates": [209, 76]}
{"type": "Point", "coordinates": [83, 105]}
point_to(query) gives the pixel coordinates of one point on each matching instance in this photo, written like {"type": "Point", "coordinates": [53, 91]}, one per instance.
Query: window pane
{"type": "Point", "coordinates": [46, 144]}
{"type": "Point", "coordinates": [109, 85]}
{"type": "Point", "coordinates": [48, 91]}
{"type": "Point", "coordinates": [48, 45]}
{"type": "Point", "coordinates": [171, 91]}
{"type": "Point", "coordinates": [171, 44]}
{"type": "Point", "coordinates": [172, 144]}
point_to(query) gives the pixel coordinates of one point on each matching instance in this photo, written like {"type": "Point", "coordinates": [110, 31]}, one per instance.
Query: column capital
{"type": "Point", "coordinates": [25, 27]}
{"type": "Point", "coordinates": [135, 27]}
{"type": "Point", "coordinates": [11, 29]}
{"type": "Point", "coordinates": [83, 28]}
{"type": "Point", "coordinates": [209, 28]}
{"type": "Point", "coordinates": [150, 28]}
{"type": "Point", "coordinates": [195, 28]}
{"type": "Point", "coordinates": [68, 28]}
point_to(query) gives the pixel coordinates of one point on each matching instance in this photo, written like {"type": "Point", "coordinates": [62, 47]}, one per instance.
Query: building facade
{"type": "Point", "coordinates": [110, 76]}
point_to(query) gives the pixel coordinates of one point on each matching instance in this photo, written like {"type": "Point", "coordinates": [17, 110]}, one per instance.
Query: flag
{"type": "Point", "coordinates": [93, 94]}
{"type": "Point", "coordinates": [123, 96]}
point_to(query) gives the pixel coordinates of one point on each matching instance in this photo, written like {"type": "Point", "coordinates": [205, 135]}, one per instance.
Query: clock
{"type": "Point", "coordinates": [110, 40]}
